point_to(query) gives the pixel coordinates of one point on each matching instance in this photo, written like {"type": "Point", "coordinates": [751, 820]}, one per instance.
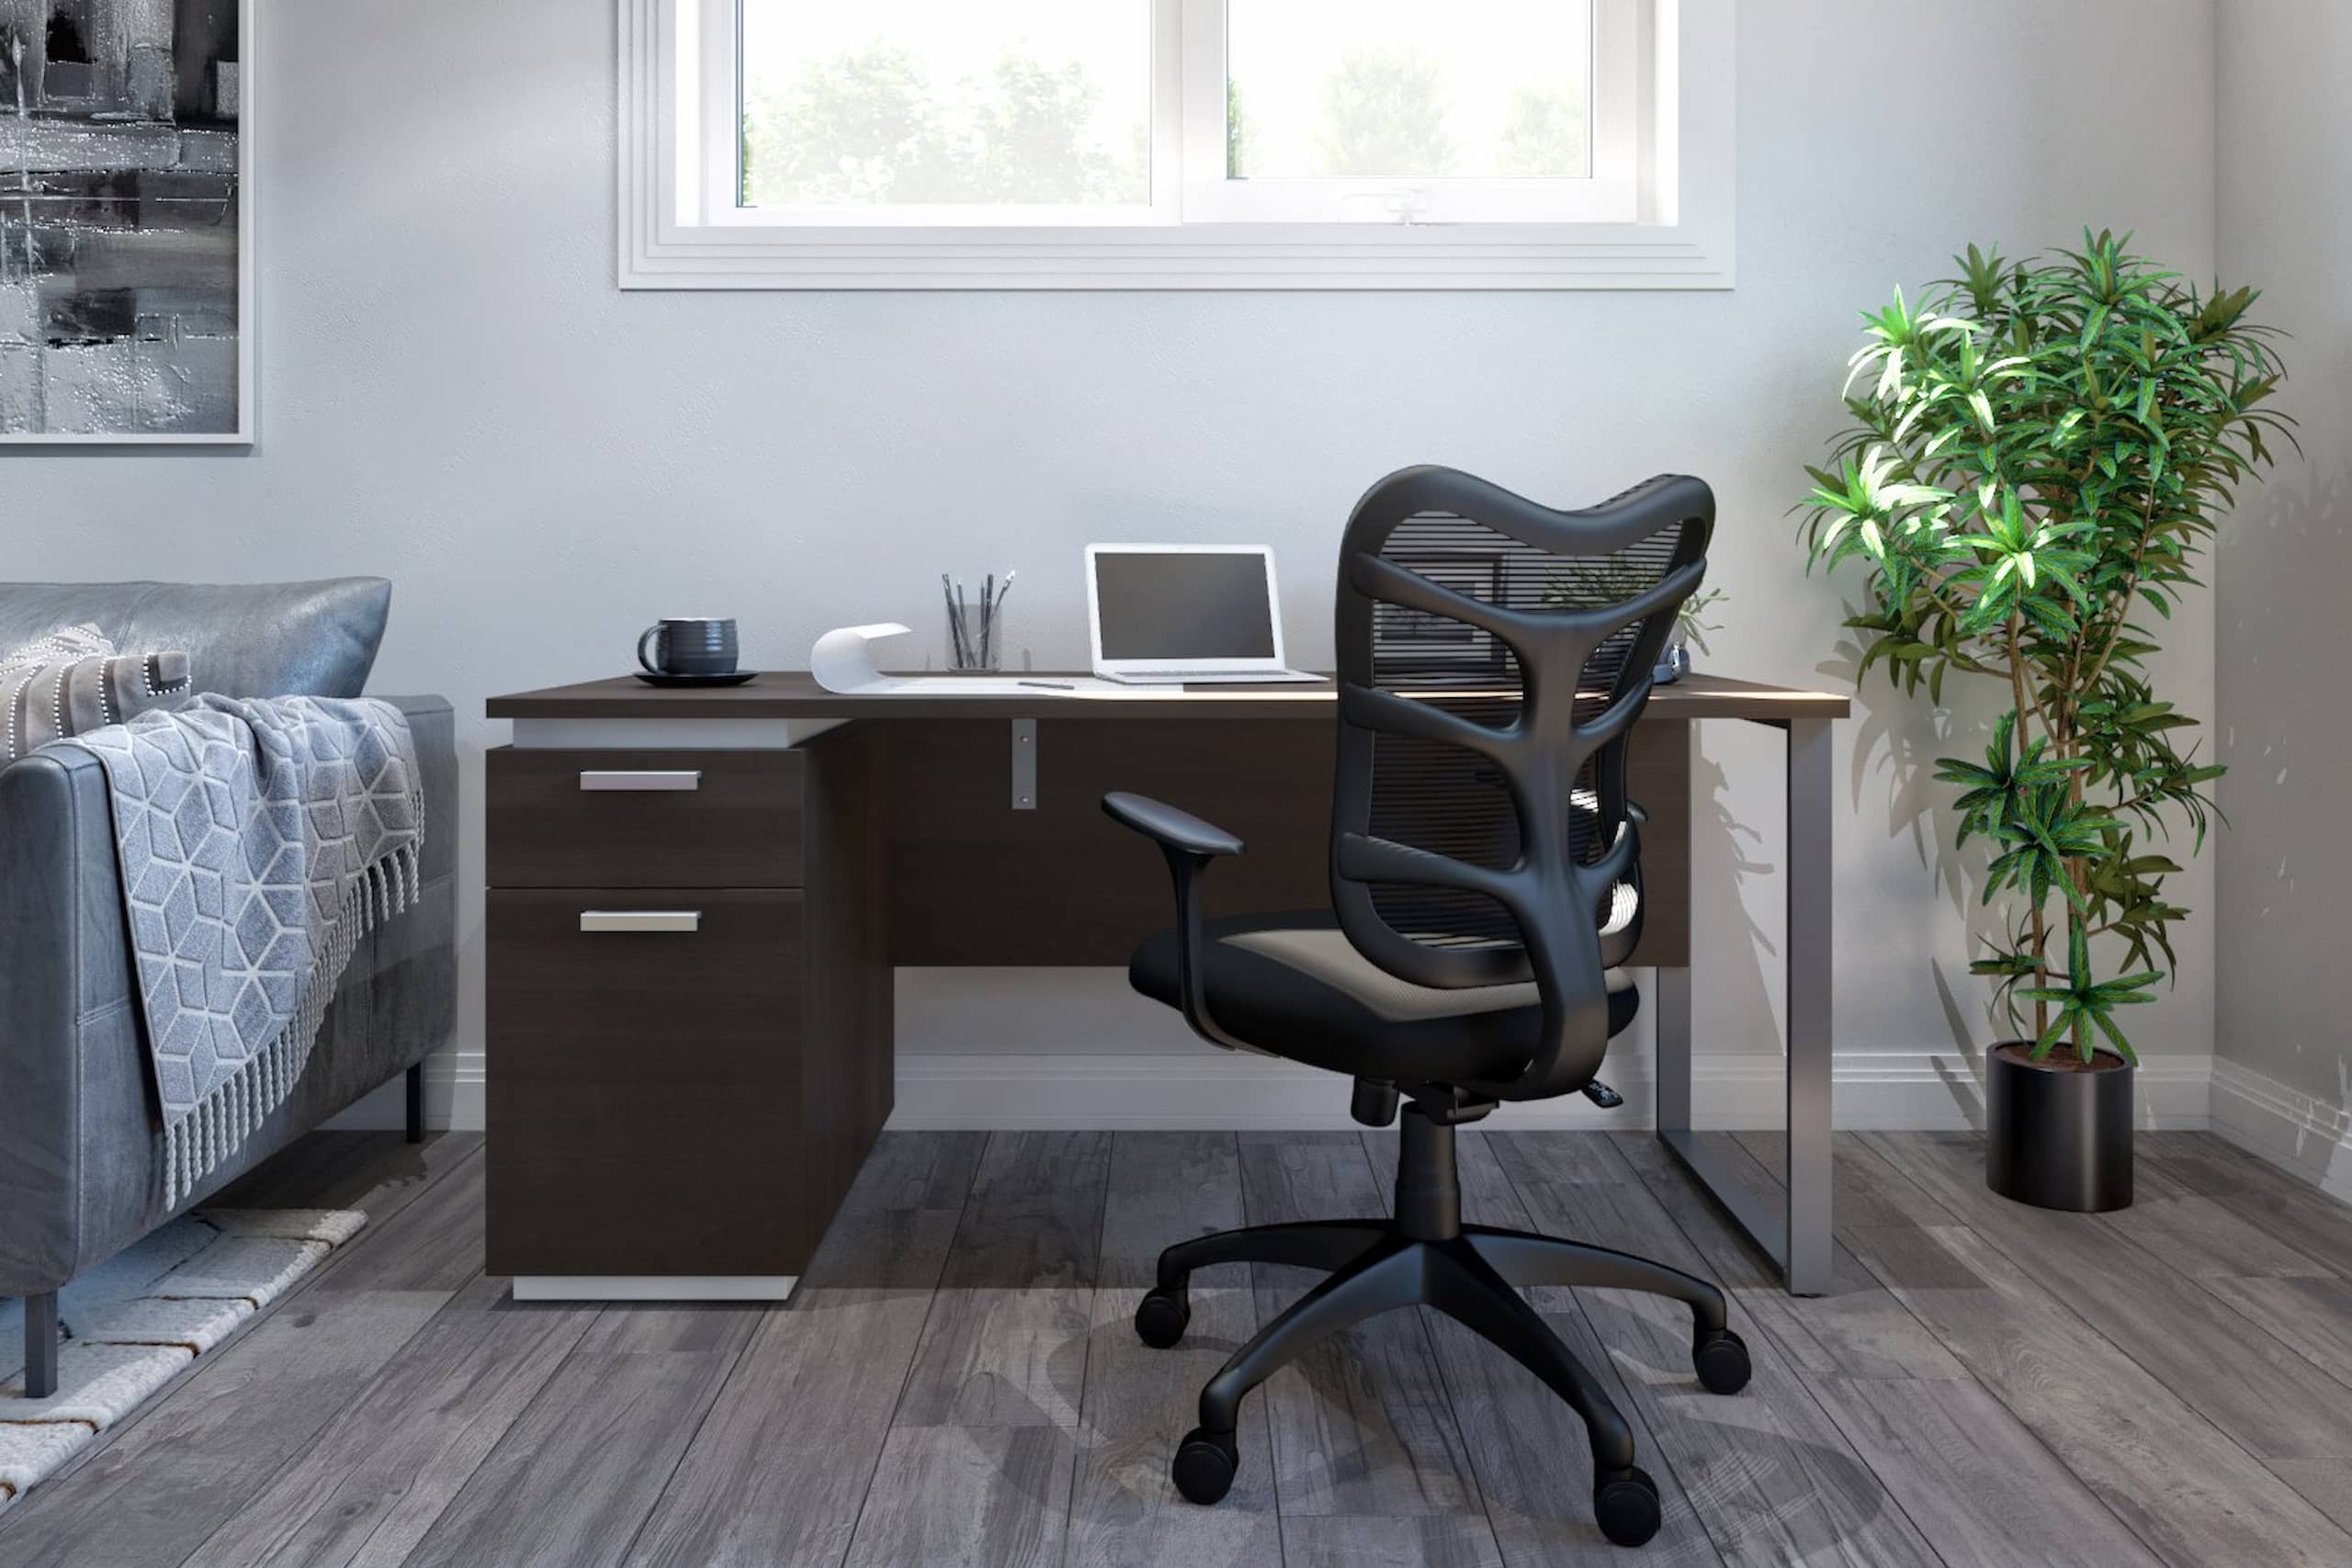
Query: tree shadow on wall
{"type": "Point", "coordinates": [1731, 952]}
{"type": "Point", "coordinates": [1897, 738]}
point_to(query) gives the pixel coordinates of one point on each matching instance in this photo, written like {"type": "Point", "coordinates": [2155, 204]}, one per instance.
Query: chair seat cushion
{"type": "Point", "coordinates": [1294, 985]}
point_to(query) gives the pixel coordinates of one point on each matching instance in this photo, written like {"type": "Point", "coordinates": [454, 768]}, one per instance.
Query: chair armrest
{"type": "Point", "coordinates": [1189, 844]}
{"type": "Point", "coordinates": [1158, 819]}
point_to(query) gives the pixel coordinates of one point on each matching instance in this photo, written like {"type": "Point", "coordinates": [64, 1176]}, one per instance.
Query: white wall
{"type": "Point", "coordinates": [2284, 1024]}
{"type": "Point", "coordinates": [455, 395]}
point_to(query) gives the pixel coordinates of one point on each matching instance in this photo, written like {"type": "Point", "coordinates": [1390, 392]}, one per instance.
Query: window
{"type": "Point", "coordinates": [1176, 144]}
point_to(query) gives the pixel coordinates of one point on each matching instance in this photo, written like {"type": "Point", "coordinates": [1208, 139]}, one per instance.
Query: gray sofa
{"type": "Point", "coordinates": [78, 1120]}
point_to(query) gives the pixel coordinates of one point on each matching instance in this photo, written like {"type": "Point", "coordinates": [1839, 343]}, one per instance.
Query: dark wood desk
{"type": "Point", "coordinates": [953, 829]}
{"type": "Point", "coordinates": [792, 693]}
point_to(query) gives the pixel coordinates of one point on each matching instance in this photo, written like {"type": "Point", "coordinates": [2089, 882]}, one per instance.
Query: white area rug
{"type": "Point", "coordinates": [132, 1324]}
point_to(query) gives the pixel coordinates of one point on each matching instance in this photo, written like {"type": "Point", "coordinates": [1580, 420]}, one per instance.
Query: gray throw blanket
{"type": "Point", "coordinates": [259, 838]}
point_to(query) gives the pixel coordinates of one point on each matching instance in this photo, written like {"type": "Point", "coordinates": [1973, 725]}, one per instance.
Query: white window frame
{"type": "Point", "coordinates": [1657, 215]}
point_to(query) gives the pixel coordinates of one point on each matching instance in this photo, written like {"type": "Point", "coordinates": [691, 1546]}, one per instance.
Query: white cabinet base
{"type": "Point", "coordinates": [654, 1286]}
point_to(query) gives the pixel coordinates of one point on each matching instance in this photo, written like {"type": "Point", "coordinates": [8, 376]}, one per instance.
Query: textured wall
{"type": "Point", "coordinates": [454, 394]}
{"type": "Point", "coordinates": [2285, 903]}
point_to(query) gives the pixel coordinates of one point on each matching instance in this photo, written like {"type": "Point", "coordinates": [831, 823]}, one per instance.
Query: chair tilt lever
{"type": "Point", "coordinates": [1601, 1094]}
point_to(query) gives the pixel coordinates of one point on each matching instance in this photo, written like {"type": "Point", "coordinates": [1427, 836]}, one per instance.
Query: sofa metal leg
{"type": "Point", "coordinates": [40, 1344]}
{"type": "Point", "coordinates": [416, 1103]}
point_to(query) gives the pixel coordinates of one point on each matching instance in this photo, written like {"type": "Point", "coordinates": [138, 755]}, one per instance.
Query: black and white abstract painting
{"type": "Point", "coordinates": [125, 274]}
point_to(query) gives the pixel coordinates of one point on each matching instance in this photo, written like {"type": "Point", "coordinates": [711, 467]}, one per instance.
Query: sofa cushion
{"type": "Point", "coordinates": [73, 680]}
{"type": "Point", "coordinates": [260, 639]}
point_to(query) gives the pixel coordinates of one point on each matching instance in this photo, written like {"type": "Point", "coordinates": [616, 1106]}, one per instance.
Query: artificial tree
{"type": "Point", "coordinates": [2043, 452]}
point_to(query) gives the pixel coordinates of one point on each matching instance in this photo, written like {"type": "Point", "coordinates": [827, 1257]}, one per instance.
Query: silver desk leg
{"type": "Point", "coordinates": [1673, 1049]}
{"type": "Point", "coordinates": [1798, 1237]}
{"type": "Point", "coordinates": [1810, 874]}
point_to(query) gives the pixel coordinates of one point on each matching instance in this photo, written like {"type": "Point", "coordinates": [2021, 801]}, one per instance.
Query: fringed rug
{"type": "Point", "coordinates": [133, 1322]}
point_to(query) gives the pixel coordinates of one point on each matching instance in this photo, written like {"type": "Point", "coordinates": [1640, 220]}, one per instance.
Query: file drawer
{"type": "Point", "coordinates": [647, 1087]}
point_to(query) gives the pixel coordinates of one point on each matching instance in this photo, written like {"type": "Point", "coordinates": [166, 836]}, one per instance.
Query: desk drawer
{"type": "Point", "coordinates": [647, 1097]}
{"type": "Point", "coordinates": [644, 819]}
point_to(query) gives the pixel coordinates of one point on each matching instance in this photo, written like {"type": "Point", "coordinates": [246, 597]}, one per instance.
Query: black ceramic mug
{"type": "Point", "coordinates": [688, 645]}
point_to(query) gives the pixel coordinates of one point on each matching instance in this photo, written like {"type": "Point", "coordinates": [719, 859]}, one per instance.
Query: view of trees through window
{"type": "Point", "coordinates": [1408, 89]}
{"type": "Point", "coordinates": [1049, 101]}
{"type": "Point", "coordinates": [903, 101]}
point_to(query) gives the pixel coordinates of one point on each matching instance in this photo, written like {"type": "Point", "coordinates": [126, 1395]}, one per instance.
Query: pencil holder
{"type": "Point", "coordinates": [975, 629]}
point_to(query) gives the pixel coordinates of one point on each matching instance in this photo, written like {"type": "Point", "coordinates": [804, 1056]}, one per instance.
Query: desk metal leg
{"type": "Point", "coordinates": [1673, 1027]}
{"type": "Point", "coordinates": [1798, 1237]}
{"type": "Point", "coordinates": [1809, 876]}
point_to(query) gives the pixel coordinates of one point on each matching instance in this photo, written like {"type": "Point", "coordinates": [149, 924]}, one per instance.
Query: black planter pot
{"type": "Point", "coordinates": [2058, 1137]}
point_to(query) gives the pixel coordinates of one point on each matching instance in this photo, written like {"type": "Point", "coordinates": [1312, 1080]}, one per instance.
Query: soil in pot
{"type": "Point", "coordinates": [2061, 1060]}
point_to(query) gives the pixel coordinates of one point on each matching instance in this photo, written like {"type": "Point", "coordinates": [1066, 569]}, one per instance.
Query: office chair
{"type": "Point", "coordinates": [1486, 885]}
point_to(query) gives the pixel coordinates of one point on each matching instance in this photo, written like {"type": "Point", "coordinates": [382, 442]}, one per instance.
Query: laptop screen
{"type": "Point", "coordinates": [1184, 605]}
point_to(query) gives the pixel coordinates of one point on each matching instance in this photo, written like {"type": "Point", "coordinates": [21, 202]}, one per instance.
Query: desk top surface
{"type": "Point", "coordinates": [794, 693]}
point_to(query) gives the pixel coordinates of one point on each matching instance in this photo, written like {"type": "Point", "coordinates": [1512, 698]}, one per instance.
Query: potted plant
{"type": "Point", "coordinates": [2038, 457]}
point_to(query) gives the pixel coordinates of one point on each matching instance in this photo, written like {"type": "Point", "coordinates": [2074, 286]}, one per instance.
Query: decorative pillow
{"type": "Point", "coordinates": [71, 680]}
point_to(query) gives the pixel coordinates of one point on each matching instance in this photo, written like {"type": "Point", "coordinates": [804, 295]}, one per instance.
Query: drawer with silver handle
{"type": "Point", "coordinates": [641, 919]}
{"type": "Point", "coordinates": [613, 818]}
{"type": "Point", "coordinates": [640, 778]}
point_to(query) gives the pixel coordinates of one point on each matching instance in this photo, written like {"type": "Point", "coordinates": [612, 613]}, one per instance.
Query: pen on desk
{"type": "Point", "coordinates": [1054, 685]}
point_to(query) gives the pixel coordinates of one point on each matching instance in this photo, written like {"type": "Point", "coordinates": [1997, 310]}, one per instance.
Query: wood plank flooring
{"type": "Point", "coordinates": [958, 1381]}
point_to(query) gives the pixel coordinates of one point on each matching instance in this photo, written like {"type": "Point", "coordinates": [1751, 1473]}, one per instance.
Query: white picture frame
{"type": "Point", "coordinates": [246, 358]}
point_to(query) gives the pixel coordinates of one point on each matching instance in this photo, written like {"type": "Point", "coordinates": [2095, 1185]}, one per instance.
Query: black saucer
{"type": "Point", "coordinates": [732, 678]}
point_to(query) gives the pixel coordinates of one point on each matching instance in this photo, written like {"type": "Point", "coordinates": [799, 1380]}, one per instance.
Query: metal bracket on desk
{"type": "Point", "coordinates": [1024, 765]}
{"type": "Point", "coordinates": [1799, 1238]}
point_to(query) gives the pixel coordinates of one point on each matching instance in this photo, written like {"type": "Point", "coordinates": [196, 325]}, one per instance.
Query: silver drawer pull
{"type": "Point", "coordinates": [682, 779]}
{"type": "Point", "coordinates": [641, 919]}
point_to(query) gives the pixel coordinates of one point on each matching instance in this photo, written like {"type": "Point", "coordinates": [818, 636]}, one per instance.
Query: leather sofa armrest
{"type": "Point", "coordinates": [433, 724]}
{"type": "Point", "coordinates": [66, 991]}
{"type": "Point", "coordinates": [65, 956]}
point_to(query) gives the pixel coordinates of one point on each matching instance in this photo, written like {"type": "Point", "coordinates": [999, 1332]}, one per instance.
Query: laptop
{"type": "Point", "coordinates": [1165, 614]}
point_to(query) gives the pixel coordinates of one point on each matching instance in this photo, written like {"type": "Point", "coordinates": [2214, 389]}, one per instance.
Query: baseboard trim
{"type": "Point", "coordinates": [452, 1100]}
{"type": "Point", "coordinates": [1890, 1090]}
{"type": "Point", "coordinates": [2298, 1132]}
{"type": "Point", "coordinates": [1205, 1088]}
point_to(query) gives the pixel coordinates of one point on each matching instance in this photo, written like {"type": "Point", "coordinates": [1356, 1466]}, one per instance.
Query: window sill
{"type": "Point", "coordinates": [1198, 257]}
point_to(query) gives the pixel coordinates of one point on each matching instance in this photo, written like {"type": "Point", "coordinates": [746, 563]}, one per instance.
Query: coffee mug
{"type": "Point", "coordinates": [688, 645]}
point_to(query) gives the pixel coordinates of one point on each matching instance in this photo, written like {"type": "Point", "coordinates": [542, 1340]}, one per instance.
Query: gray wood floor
{"type": "Point", "coordinates": [959, 1382]}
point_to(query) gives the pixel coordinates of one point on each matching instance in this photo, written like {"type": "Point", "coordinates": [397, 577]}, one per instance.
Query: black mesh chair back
{"type": "Point", "coordinates": [1493, 655]}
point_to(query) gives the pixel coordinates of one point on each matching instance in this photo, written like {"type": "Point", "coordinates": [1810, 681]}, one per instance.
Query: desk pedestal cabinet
{"type": "Point", "coordinates": [690, 1023]}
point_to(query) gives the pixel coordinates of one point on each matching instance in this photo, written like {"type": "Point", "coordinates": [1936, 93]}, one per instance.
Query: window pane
{"type": "Point", "coordinates": [1408, 89]}
{"type": "Point", "coordinates": [897, 101]}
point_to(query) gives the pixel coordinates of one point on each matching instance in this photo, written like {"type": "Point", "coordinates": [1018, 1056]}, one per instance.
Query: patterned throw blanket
{"type": "Point", "coordinates": [260, 839]}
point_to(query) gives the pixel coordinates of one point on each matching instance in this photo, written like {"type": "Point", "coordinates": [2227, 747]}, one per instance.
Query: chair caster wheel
{"type": "Point", "coordinates": [1721, 1360]}
{"type": "Point", "coordinates": [1161, 1317]}
{"type": "Point", "coordinates": [1205, 1465]}
{"type": "Point", "coordinates": [1624, 1505]}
